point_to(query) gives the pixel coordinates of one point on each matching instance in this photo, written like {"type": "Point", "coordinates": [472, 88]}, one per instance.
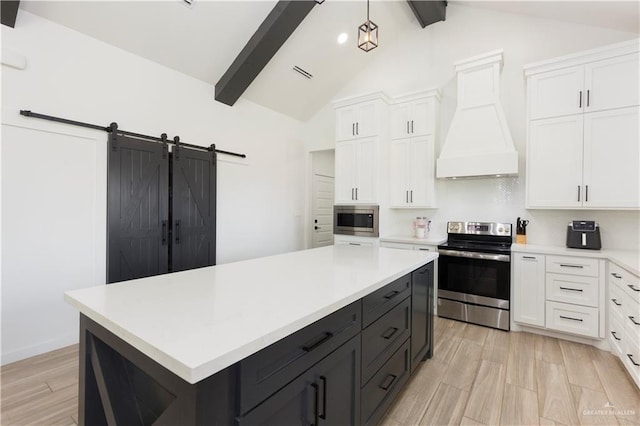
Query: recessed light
{"type": "Point", "coordinates": [342, 38]}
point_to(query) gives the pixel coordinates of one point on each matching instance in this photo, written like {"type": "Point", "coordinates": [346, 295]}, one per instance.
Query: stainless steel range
{"type": "Point", "coordinates": [474, 273]}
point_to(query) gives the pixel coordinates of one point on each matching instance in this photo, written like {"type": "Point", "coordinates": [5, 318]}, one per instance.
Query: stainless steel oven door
{"type": "Point", "coordinates": [356, 220]}
{"type": "Point", "coordinates": [477, 278]}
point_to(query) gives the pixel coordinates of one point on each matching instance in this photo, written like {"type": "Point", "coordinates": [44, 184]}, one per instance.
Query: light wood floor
{"type": "Point", "coordinates": [477, 376]}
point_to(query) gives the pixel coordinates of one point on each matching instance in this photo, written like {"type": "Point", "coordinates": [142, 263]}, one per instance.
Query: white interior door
{"type": "Point", "coordinates": [322, 206]}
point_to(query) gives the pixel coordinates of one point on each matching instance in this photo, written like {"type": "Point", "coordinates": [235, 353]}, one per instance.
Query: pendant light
{"type": "Point", "coordinates": [368, 34]}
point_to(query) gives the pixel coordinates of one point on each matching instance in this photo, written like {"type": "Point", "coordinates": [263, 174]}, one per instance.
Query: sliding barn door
{"type": "Point", "coordinates": [193, 209]}
{"type": "Point", "coordinates": [137, 208]}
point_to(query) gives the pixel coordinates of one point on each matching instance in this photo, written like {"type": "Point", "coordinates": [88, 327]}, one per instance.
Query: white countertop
{"type": "Point", "coordinates": [430, 240]}
{"type": "Point", "coordinates": [198, 322]}
{"type": "Point", "coordinates": [627, 259]}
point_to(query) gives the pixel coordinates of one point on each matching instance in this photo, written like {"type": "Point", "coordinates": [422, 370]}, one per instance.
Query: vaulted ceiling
{"type": "Point", "coordinates": [203, 40]}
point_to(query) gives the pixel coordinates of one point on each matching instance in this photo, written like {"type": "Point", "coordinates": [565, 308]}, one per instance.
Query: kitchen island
{"type": "Point", "coordinates": [214, 345]}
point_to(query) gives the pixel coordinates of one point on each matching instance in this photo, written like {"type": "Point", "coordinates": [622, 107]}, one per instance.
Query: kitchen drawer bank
{"type": "Point", "coordinates": [315, 375]}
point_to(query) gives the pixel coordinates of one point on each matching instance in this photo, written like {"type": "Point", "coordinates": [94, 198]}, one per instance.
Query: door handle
{"type": "Point", "coordinates": [353, 129]}
{"type": "Point", "coordinates": [356, 194]}
{"type": "Point", "coordinates": [411, 126]}
{"type": "Point", "coordinates": [586, 193]}
{"type": "Point", "coordinates": [322, 397]}
{"type": "Point", "coordinates": [578, 192]}
{"type": "Point", "coordinates": [164, 232]}
{"type": "Point", "coordinates": [580, 102]}
{"type": "Point", "coordinates": [177, 232]}
{"type": "Point", "coordinates": [411, 192]}
{"type": "Point", "coordinates": [357, 128]}
{"type": "Point", "coordinates": [587, 97]}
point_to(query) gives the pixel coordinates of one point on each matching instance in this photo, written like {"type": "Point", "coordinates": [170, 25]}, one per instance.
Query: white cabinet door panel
{"type": "Point", "coordinates": [399, 176]}
{"type": "Point", "coordinates": [367, 122]}
{"type": "Point", "coordinates": [423, 112]}
{"type": "Point", "coordinates": [612, 83]}
{"type": "Point", "coordinates": [421, 171]}
{"type": "Point", "coordinates": [346, 123]}
{"type": "Point", "coordinates": [400, 121]}
{"type": "Point", "coordinates": [366, 170]}
{"type": "Point", "coordinates": [529, 289]}
{"type": "Point", "coordinates": [345, 171]}
{"type": "Point", "coordinates": [612, 158]}
{"type": "Point", "coordinates": [554, 162]}
{"type": "Point", "coordinates": [556, 93]}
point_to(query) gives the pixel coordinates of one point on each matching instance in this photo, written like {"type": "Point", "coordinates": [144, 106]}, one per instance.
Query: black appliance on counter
{"type": "Point", "coordinates": [584, 234]}
{"type": "Point", "coordinates": [474, 273]}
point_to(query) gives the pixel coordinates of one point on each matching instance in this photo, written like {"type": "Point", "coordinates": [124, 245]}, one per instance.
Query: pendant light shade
{"type": "Point", "coordinates": [368, 34]}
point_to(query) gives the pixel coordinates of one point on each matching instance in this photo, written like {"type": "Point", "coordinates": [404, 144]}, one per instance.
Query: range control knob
{"type": "Point", "coordinates": [501, 230]}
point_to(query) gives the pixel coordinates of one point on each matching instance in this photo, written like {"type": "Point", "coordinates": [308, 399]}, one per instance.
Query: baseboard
{"type": "Point", "coordinates": [598, 343]}
{"type": "Point", "coordinates": [50, 345]}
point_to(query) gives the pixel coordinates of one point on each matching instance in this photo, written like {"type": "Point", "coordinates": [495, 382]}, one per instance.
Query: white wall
{"type": "Point", "coordinates": [423, 58]}
{"type": "Point", "coordinates": [53, 175]}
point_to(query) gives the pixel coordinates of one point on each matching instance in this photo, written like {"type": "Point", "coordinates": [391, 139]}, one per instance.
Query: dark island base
{"type": "Point", "coordinates": [122, 386]}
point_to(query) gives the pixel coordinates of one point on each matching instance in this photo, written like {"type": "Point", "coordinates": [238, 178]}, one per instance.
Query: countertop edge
{"type": "Point", "coordinates": [403, 239]}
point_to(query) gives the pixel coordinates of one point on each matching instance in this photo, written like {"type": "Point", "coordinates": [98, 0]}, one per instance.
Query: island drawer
{"type": "Point", "coordinates": [383, 300]}
{"type": "Point", "coordinates": [268, 370]}
{"type": "Point", "coordinates": [573, 289]}
{"type": "Point", "coordinates": [378, 394]}
{"type": "Point", "coordinates": [573, 265]}
{"type": "Point", "coordinates": [384, 337]}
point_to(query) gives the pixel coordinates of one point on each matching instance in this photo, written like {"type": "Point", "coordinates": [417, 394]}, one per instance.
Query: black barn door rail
{"type": "Point", "coordinates": [113, 127]}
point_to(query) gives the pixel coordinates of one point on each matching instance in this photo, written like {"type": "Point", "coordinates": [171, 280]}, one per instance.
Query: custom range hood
{"type": "Point", "coordinates": [479, 142]}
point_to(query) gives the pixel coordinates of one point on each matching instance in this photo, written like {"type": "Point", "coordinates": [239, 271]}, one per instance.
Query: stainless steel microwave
{"type": "Point", "coordinates": [360, 220]}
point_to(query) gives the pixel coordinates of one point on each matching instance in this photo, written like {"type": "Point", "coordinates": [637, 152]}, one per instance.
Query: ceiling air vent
{"type": "Point", "coordinates": [302, 72]}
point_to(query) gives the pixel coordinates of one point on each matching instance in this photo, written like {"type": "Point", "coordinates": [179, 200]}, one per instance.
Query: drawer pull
{"type": "Point", "coordinates": [613, 333]}
{"type": "Point", "coordinates": [391, 294]}
{"type": "Point", "coordinates": [616, 275]}
{"type": "Point", "coordinates": [389, 333]}
{"type": "Point", "coordinates": [632, 287]}
{"type": "Point", "coordinates": [571, 289]}
{"type": "Point", "coordinates": [615, 302]}
{"type": "Point", "coordinates": [388, 381]}
{"type": "Point", "coordinates": [632, 361]}
{"type": "Point", "coordinates": [355, 244]}
{"type": "Point", "coordinates": [569, 318]}
{"type": "Point", "coordinates": [424, 249]}
{"type": "Point", "coordinates": [529, 257]}
{"type": "Point", "coordinates": [568, 265]}
{"type": "Point", "coordinates": [319, 342]}
{"type": "Point", "coordinates": [633, 320]}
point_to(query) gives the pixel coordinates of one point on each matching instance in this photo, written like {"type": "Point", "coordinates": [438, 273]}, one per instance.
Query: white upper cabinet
{"type": "Point", "coordinates": [556, 93]}
{"type": "Point", "coordinates": [413, 118]}
{"type": "Point", "coordinates": [412, 150]}
{"type": "Point", "coordinates": [361, 125]}
{"type": "Point", "coordinates": [582, 133]}
{"type": "Point", "coordinates": [612, 83]}
{"type": "Point", "coordinates": [357, 121]}
{"type": "Point", "coordinates": [600, 85]}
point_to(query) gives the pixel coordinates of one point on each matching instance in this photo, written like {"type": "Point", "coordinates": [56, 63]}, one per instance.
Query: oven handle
{"type": "Point", "coordinates": [474, 255]}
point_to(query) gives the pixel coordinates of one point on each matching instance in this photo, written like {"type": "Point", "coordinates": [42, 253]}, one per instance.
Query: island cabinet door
{"type": "Point", "coordinates": [326, 394]}
{"type": "Point", "coordinates": [421, 314]}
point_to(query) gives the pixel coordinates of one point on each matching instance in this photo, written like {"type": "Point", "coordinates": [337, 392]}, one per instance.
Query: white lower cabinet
{"type": "Point", "coordinates": [355, 241]}
{"type": "Point", "coordinates": [559, 293]}
{"type": "Point", "coordinates": [528, 290]}
{"type": "Point", "coordinates": [624, 318]}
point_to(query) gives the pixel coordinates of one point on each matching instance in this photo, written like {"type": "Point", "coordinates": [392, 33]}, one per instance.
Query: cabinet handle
{"type": "Point", "coordinates": [356, 194]}
{"type": "Point", "coordinates": [164, 232]}
{"type": "Point", "coordinates": [312, 400]}
{"type": "Point", "coordinates": [391, 294]}
{"type": "Point", "coordinates": [632, 361]}
{"type": "Point", "coordinates": [357, 128]}
{"type": "Point", "coordinates": [352, 197]}
{"type": "Point", "coordinates": [615, 302]}
{"type": "Point", "coordinates": [633, 320]}
{"type": "Point", "coordinates": [586, 193]}
{"type": "Point", "coordinates": [411, 192]}
{"type": "Point", "coordinates": [616, 275]}
{"type": "Point", "coordinates": [355, 244]}
{"type": "Point", "coordinates": [388, 381]}
{"type": "Point", "coordinates": [424, 249]}
{"type": "Point", "coordinates": [322, 412]}
{"type": "Point", "coordinates": [323, 339]}
{"type": "Point", "coordinates": [177, 232]}
{"type": "Point", "coordinates": [406, 193]}
{"type": "Point", "coordinates": [389, 333]}
{"type": "Point", "coordinates": [407, 127]}
{"type": "Point", "coordinates": [632, 287]}
{"type": "Point", "coordinates": [353, 129]}
{"type": "Point", "coordinates": [411, 126]}
{"type": "Point", "coordinates": [529, 257]}
{"type": "Point", "coordinates": [587, 97]}
{"type": "Point", "coordinates": [569, 318]}
{"type": "Point", "coordinates": [578, 192]}
{"type": "Point", "coordinates": [571, 289]}
{"type": "Point", "coordinates": [580, 103]}
{"type": "Point", "coordinates": [566, 265]}
{"type": "Point", "coordinates": [613, 333]}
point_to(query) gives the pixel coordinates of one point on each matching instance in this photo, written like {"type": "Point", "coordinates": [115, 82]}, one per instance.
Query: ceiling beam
{"type": "Point", "coordinates": [9, 12]}
{"type": "Point", "coordinates": [265, 42]}
{"type": "Point", "coordinates": [428, 12]}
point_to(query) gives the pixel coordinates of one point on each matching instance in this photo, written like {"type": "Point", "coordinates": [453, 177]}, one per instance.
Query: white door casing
{"type": "Point", "coordinates": [322, 211]}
